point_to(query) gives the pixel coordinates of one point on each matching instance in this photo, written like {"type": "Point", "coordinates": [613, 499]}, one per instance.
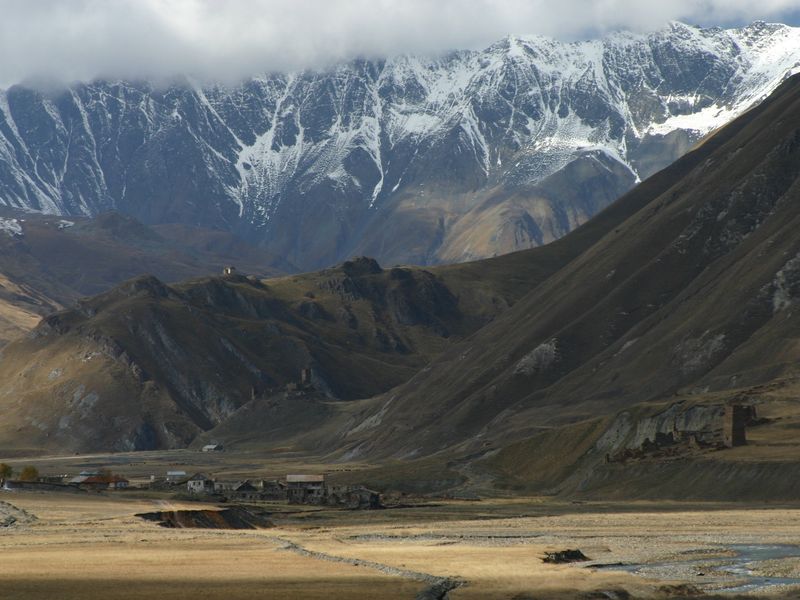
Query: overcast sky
{"type": "Point", "coordinates": [225, 39]}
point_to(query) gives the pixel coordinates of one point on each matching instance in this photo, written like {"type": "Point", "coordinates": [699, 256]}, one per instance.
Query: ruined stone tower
{"type": "Point", "coordinates": [733, 426]}
{"type": "Point", "coordinates": [306, 377]}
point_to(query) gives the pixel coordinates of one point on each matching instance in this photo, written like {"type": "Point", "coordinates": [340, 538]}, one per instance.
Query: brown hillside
{"type": "Point", "coordinates": [695, 291]}
{"type": "Point", "coordinates": [147, 365]}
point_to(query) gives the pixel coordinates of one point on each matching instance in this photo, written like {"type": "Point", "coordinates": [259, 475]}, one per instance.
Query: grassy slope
{"type": "Point", "coordinates": [365, 338]}
{"type": "Point", "coordinates": [683, 287]}
{"type": "Point", "coordinates": [146, 364]}
{"type": "Point", "coordinates": [692, 292]}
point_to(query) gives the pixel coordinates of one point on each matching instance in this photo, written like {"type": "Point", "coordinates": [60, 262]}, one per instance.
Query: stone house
{"type": "Point", "coordinates": [246, 491]}
{"type": "Point", "coordinates": [352, 497]}
{"type": "Point", "coordinates": [222, 487]}
{"type": "Point", "coordinates": [305, 489]}
{"type": "Point", "coordinates": [272, 490]}
{"type": "Point", "coordinates": [200, 484]}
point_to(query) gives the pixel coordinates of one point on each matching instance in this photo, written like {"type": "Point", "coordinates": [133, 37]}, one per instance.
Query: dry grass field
{"type": "Point", "coordinates": [93, 546]}
{"type": "Point", "coordinates": [84, 547]}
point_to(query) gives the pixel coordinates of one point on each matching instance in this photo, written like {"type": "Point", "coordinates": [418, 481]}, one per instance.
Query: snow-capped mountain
{"type": "Point", "coordinates": [409, 159]}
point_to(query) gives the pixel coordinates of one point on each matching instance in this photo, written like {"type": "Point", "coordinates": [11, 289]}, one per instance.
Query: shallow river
{"type": "Point", "coordinates": [738, 568]}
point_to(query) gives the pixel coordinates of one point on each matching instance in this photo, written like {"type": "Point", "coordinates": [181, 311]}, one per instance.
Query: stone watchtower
{"type": "Point", "coordinates": [734, 423]}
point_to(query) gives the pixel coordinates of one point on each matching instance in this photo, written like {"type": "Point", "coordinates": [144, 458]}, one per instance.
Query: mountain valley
{"type": "Point", "coordinates": [341, 300]}
{"type": "Point", "coordinates": [677, 299]}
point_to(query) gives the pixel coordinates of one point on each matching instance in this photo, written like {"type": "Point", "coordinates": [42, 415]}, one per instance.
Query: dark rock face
{"type": "Point", "coordinates": [364, 158]}
{"type": "Point", "coordinates": [228, 518]}
{"type": "Point", "coordinates": [145, 438]}
{"type": "Point", "coordinates": [362, 265]}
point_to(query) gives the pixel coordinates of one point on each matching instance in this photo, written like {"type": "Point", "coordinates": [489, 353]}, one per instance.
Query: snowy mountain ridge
{"type": "Point", "coordinates": [410, 159]}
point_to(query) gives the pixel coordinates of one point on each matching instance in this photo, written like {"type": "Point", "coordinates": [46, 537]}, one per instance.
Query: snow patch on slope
{"type": "Point", "coordinates": [514, 113]}
{"type": "Point", "coordinates": [11, 227]}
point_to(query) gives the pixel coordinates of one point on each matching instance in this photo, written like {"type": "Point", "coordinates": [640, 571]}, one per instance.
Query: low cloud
{"type": "Point", "coordinates": [83, 39]}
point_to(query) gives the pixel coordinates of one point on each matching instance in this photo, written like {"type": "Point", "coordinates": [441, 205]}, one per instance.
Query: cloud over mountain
{"type": "Point", "coordinates": [83, 39]}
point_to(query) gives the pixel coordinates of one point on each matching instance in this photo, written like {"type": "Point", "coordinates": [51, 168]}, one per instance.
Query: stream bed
{"type": "Point", "coordinates": [728, 569]}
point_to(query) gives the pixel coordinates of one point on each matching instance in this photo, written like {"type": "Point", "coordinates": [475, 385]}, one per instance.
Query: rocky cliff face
{"type": "Point", "coordinates": [398, 158]}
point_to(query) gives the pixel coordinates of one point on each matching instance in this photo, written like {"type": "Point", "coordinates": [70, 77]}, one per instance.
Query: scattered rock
{"type": "Point", "coordinates": [564, 556]}
{"type": "Point", "coordinates": [539, 359]}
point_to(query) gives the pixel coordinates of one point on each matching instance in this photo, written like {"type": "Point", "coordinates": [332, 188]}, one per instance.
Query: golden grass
{"type": "Point", "coordinates": [185, 567]}
{"type": "Point", "coordinates": [84, 547]}
{"type": "Point", "coordinates": [94, 546]}
{"type": "Point", "coordinates": [501, 558]}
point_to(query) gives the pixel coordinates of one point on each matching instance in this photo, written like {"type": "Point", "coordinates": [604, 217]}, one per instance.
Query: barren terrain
{"type": "Point", "coordinates": [87, 546]}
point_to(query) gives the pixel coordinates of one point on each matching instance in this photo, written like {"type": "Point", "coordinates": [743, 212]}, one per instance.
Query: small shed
{"type": "Point", "coordinates": [212, 448]}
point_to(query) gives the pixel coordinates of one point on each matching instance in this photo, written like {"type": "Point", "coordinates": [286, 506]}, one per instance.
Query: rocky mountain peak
{"type": "Point", "coordinates": [387, 158]}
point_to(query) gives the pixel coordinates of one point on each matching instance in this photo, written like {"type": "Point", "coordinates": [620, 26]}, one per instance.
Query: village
{"type": "Point", "coordinates": [312, 489]}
